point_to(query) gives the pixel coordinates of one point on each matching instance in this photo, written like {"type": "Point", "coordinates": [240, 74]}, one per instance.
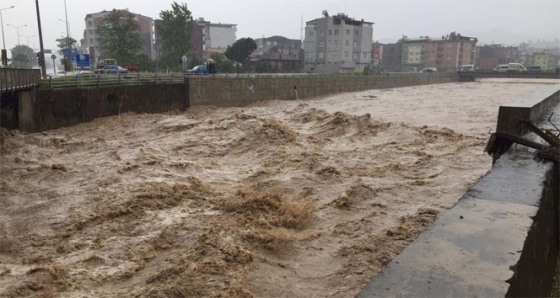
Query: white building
{"type": "Point", "coordinates": [337, 43]}
{"type": "Point", "coordinates": [216, 37]}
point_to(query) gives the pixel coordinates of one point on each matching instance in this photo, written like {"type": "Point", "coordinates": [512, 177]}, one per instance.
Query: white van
{"type": "Point", "coordinates": [516, 67]}
{"type": "Point", "coordinates": [501, 68]}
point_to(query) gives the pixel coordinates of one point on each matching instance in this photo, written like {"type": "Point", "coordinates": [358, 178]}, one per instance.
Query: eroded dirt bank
{"type": "Point", "coordinates": [281, 199]}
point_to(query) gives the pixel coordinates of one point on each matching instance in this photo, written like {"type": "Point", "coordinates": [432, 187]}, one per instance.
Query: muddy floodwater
{"type": "Point", "coordinates": [306, 198]}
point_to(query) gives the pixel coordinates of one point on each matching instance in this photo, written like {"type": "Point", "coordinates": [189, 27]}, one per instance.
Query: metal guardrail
{"type": "Point", "coordinates": [101, 80]}
{"type": "Point", "coordinates": [12, 79]}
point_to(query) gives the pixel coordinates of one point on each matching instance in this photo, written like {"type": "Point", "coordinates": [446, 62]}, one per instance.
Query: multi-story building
{"type": "Point", "coordinates": [447, 53]}
{"type": "Point", "coordinates": [90, 43]}
{"type": "Point", "coordinates": [546, 59]}
{"type": "Point", "coordinates": [337, 43]}
{"type": "Point", "coordinates": [377, 54]}
{"type": "Point", "coordinates": [391, 57]}
{"type": "Point", "coordinates": [206, 38]}
{"type": "Point", "coordinates": [281, 53]}
{"type": "Point", "coordinates": [215, 37]}
{"type": "Point", "coordinates": [413, 51]}
{"type": "Point", "coordinates": [489, 56]}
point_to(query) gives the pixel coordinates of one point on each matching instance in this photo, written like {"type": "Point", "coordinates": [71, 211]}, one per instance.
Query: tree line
{"type": "Point", "coordinates": [120, 39]}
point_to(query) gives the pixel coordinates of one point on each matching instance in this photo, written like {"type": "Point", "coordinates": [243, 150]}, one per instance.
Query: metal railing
{"type": "Point", "coordinates": [12, 79]}
{"type": "Point", "coordinates": [102, 80]}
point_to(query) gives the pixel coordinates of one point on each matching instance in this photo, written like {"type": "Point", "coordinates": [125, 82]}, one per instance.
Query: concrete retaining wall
{"type": "Point", "coordinates": [242, 91]}
{"type": "Point", "coordinates": [52, 108]}
{"type": "Point", "coordinates": [500, 239]}
{"type": "Point", "coordinates": [530, 108]}
{"type": "Point", "coordinates": [49, 109]}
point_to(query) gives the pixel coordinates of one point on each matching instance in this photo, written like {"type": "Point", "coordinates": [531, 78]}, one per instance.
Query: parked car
{"type": "Point", "coordinates": [466, 68]}
{"type": "Point", "coordinates": [429, 69]}
{"type": "Point", "coordinates": [112, 69]}
{"type": "Point", "coordinates": [198, 70]}
{"type": "Point", "coordinates": [534, 69]}
{"type": "Point", "coordinates": [501, 68]}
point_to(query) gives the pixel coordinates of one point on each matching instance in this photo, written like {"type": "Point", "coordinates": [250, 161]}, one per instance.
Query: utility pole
{"type": "Point", "coordinates": [42, 53]}
{"type": "Point", "coordinates": [4, 53]}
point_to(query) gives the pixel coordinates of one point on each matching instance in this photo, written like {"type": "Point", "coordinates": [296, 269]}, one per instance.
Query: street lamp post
{"type": "Point", "coordinates": [28, 37]}
{"type": "Point", "coordinates": [17, 29]}
{"type": "Point", "coordinates": [42, 53]}
{"type": "Point", "coordinates": [4, 54]}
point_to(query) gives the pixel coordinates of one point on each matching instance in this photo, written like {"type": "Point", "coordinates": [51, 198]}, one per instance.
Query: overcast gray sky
{"type": "Point", "coordinates": [499, 21]}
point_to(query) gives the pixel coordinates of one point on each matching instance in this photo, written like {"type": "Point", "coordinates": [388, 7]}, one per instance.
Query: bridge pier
{"type": "Point", "coordinates": [26, 100]}
{"type": "Point", "coordinates": [9, 106]}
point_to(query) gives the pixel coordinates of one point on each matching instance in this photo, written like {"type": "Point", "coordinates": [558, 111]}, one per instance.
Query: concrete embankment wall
{"type": "Point", "coordinates": [501, 238]}
{"type": "Point", "coordinates": [242, 91]}
{"type": "Point", "coordinates": [48, 109]}
{"type": "Point", "coordinates": [42, 109]}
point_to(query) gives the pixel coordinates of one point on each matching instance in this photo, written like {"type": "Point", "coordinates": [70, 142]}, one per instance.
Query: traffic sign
{"type": "Point", "coordinates": [82, 60]}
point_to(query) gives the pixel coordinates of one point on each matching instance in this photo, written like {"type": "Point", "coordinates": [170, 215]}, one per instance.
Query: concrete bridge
{"type": "Point", "coordinates": [12, 79]}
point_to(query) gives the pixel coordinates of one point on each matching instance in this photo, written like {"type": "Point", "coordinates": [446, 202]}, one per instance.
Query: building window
{"type": "Point", "coordinates": [310, 33]}
{"type": "Point", "coordinates": [347, 31]}
{"type": "Point", "coordinates": [330, 43]}
{"type": "Point", "coordinates": [356, 32]}
{"type": "Point", "coordinates": [346, 54]}
{"type": "Point", "coordinates": [347, 42]}
{"type": "Point", "coordinates": [335, 31]}
{"type": "Point", "coordinates": [322, 33]}
{"type": "Point", "coordinates": [336, 42]}
{"type": "Point", "coordinates": [356, 56]}
{"type": "Point", "coordinates": [330, 31]}
{"type": "Point", "coordinates": [321, 55]}
{"type": "Point", "coordinates": [322, 44]}
{"type": "Point", "coordinates": [308, 55]}
{"type": "Point", "coordinates": [90, 23]}
{"type": "Point", "coordinates": [355, 44]}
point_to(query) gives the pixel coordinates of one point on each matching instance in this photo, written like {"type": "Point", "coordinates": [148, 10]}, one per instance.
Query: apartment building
{"type": "Point", "coordinates": [489, 56]}
{"type": "Point", "coordinates": [281, 53]}
{"type": "Point", "coordinates": [337, 44]}
{"type": "Point", "coordinates": [216, 37]}
{"type": "Point", "coordinates": [377, 54]}
{"type": "Point", "coordinates": [546, 59]}
{"type": "Point", "coordinates": [206, 38]}
{"type": "Point", "coordinates": [391, 57]}
{"type": "Point", "coordinates": [447, 53]}
{"type": "Point", "coordinates": [90, 42]}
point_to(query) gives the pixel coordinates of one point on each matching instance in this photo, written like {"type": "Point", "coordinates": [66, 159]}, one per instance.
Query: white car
{"type": "Point", "coordinates": [429, 69]}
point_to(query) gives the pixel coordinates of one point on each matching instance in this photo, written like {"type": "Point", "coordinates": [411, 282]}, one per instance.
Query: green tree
{"type": "Point", "coordinates": [240, 50]}
{"type": "Point", "coordinates": [175, 31]}
{"type": "Point", "coordinates": [222, 63]}
{"type": "Point", "coordinates": [66, 43]}
{"type": "Point", "coordinates": [23, 57]}
{"type": "Point", "coordinates": [119, 36]}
